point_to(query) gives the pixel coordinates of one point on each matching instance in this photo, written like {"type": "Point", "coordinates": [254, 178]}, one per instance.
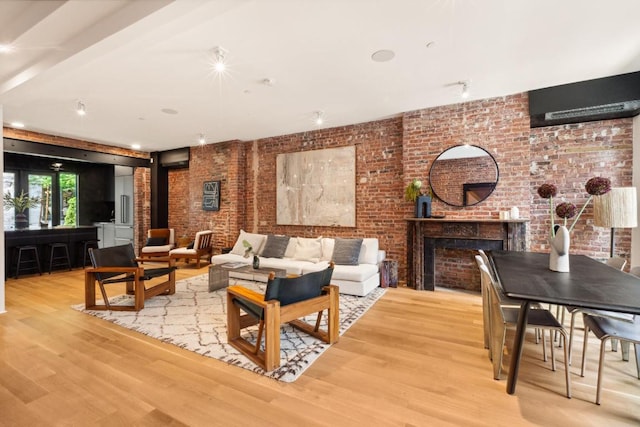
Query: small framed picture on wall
{"type": "Point", "coordinates": [211, 196]}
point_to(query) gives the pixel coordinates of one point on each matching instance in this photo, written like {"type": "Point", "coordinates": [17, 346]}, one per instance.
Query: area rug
{"type": "Point", "coordinates": [195, 319]}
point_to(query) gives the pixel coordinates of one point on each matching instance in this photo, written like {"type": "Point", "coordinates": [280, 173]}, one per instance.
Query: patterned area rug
{"type": "Point", "coordinates": [195, 319]}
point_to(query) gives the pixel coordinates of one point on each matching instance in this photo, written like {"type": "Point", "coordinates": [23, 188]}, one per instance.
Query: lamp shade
{"type": "Point", "coordinates": [616, 209]}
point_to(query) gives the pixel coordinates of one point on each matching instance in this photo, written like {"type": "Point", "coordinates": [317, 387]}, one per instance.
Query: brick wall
{"type": "Point", "coordinates": [389, 154]}
{"type": "Point", "coordinates": [224, 162]}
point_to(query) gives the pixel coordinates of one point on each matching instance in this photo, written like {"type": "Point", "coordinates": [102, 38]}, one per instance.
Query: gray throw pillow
{"type": "Point", "coordinates": [275, 247]}
{"type": "Point", "coordinates": [346, 251]}
{"type": "Point", "coordinates": [156, 241]}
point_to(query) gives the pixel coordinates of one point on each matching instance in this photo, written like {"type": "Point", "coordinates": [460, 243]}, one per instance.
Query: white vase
{"type": "Point", "coordinates": [559, 256]}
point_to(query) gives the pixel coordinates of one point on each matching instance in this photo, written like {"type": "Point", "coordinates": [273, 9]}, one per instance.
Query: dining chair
{"type": "Point", "coordinates": [614, 262]}
{"type": "Point", "coordinates": [501, 317]}
{"type": "Point", "coordinates": [605, 328]}
{"type": "Point", "coordinates": [483, 259]}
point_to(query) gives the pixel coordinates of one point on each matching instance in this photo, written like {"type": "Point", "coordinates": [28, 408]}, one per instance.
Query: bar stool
{"type": "Point", "coordinates": [27, 259]}
{"type": "Point", "coordinates": [60, 259]}
{"type": "Point", "coordinates": [84, 246]}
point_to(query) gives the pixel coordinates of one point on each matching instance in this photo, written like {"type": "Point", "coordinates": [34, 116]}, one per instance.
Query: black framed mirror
{"type": "Point", "coordinates": [463, 175]}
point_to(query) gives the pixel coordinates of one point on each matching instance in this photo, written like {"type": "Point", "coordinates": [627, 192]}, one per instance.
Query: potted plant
{"type": "Point", "coordinates": [20, 203]}
{"type": "Point", "coordinates": [413, 193]}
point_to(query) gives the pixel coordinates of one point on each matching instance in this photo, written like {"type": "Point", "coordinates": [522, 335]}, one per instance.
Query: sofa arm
{"type": "Point", "coordinates": [381, 256]}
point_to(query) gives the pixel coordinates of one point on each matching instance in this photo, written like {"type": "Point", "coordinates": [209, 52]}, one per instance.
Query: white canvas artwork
{"type": "Point", "coordinates": [317, 187]}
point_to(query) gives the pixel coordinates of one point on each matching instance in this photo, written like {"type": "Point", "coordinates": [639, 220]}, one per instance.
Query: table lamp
{"type": "Point", "coordinates": [616, 209]}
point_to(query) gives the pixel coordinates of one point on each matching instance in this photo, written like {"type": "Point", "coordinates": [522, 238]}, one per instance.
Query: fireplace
{"type": "Point", "coordinates": [425, 235]}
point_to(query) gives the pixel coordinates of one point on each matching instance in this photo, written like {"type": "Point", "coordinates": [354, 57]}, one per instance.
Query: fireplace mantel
{"type": "Point", "coordinates": [424, 235]}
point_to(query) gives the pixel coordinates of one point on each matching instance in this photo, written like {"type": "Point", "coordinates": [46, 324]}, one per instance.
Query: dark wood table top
{"type": "Point", "coordinates": [589, 284]}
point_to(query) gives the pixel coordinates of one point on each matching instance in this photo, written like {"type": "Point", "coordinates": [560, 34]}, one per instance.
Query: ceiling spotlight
{"type": "Point", "coordinates": [202, 140]}
{"type": "Point", "coordinates": [465, 89]}
{"type": "Point", "coordinates": [6, 48]}
{"type": "Point", "coordinates": [81, 109]}
{"type": "Point", "coordinates": [17, 124]}
{"type": "Point", "coordinates": [219, 64]}
{"type": "Point", "coordinates": [319, 118]}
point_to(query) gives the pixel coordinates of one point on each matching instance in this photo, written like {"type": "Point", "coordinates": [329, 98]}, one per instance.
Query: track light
{"type": "Point", "coordinates": [219, 64]}
{"type": "Point", "coordinates": [81, 109]}
{"type": "Point", "coordinates": [202, 140]}
{"type": "Point", "coordinates": [319, 118]}
{"type": "Point", "coordinates": [465, 89]}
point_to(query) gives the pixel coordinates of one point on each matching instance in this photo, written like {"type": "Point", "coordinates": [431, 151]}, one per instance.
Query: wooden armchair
{"type": "Point", "coordinates": [202, 246]}
{"type": "Point", "coordinates": [159, 242]}
{"type": "Point", "coordinates": [286, 300]}
{"type": "Point", "coordinates": [119, 264]}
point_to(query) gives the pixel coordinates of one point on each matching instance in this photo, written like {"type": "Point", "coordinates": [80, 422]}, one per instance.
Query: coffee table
{"type": "Point", "coordinates": [219, 274]}
{"type": "Point", "coordinates": [247, 272]}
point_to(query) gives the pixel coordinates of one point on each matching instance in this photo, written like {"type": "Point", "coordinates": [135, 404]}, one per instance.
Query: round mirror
{"type": "Point", "coordinates": [463, 175]}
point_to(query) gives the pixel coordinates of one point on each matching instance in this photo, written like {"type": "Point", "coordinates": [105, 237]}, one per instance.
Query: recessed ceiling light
{"type": "Point", "coordinates": [17, 124]}
{"type": "Point", "coordinates": [169, 111]}
{"type": "Point", "coordinates": [135, 146]}
{"type": "Point", "coordinates": [383, 55]}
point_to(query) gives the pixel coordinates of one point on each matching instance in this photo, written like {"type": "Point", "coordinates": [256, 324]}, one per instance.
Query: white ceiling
{"type": "Point", "coordinates": [129, 60]}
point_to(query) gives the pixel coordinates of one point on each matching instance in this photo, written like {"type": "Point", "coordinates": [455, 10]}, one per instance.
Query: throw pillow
{"type": "Point", "coordinates": [255, 240]}
{"type": "Point", "coordinates": [347, 251]}
{"type": "Point", "coordinates": [275, 246]}
{"type": "Point", "coordinates": [190, 245]}
{"type": "Point", "coordinates": [156, 241]}
{"type": "Point", "coordinates": [309, 249]}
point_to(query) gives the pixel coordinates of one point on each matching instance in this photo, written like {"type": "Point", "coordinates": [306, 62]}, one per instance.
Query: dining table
{"type": "Point", "coordinates": [590, 284]}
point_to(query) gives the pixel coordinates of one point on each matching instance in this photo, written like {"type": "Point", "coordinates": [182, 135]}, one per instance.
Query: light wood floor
{"type": "Point", "coordinates": [414, 359]}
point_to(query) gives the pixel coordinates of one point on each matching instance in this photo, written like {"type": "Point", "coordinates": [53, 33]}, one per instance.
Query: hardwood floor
{"type": "Point", "coordinates": [414, 359]}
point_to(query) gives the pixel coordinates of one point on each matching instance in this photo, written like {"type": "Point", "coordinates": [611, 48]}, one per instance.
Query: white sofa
{"type": "Point", "coordinates": [301, 257]}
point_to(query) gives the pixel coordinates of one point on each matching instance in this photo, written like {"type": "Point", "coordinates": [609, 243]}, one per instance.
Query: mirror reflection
{"type": "Point", "coordinates": [463, 175]}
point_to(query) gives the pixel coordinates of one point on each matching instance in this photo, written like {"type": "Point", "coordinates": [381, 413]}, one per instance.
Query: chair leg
{"type": "Point", "coordinates": [637, 349]}
{"type": "Point", "coordinates": [317, 327]}
{"type": "Point", "coordinates": [552, 334]}
{"type": "Point", "coordinates": [497, 350]}
{"type": "Point", "coordinates": [571, 330]}
{"type": "Point", "coordinates": [584, 350]}
{"type": "Point", "coordinates": [600, 366]}
{"type": "Point", "coordinates": [544, 344]}
{"type": "Point", "coordinates": [567, 376]}
{"type": "Point", "coordinates": [272, 335]}
{"type": "Point", "coordinates": [104, 296]}
{"type": "Point", "coordinates": [259, 339]}
{"type": "Point", "coordinates": [624, 346]}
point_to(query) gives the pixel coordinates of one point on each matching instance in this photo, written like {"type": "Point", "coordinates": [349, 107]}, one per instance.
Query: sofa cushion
{"type": "Point", "coordinates": [291, 248]}
{"type": "Point", "coordinates": [327, 248]}
{"type": "Point", "coordinates": [255, 240]}
{"type": "Point", "coordinates": [309, 249]}
{"type": "Point", "coordinates": [275, 247]}
{"type": "Point", "coordinates": [156, 241]}
{"type": "Point", "coordinates": [346, 251]}
{"type": "Point", "coordinates": [369, 251]}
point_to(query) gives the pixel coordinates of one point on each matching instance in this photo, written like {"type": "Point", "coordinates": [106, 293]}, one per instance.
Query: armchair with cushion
{"type": "Point", "coordinates": [118, 264]}
{"type": "Point", "coordinates": [285, 300]}
{"type": "Point", "coordinates": [202, 246]}
{"type": "Point", "coordinates": [159, 242]}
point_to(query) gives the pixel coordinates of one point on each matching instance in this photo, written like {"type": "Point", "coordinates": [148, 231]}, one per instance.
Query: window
{"type": "Point", "coordinates": [68, 198]}
{"type": "Point", "coordinates": [9, 187]}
